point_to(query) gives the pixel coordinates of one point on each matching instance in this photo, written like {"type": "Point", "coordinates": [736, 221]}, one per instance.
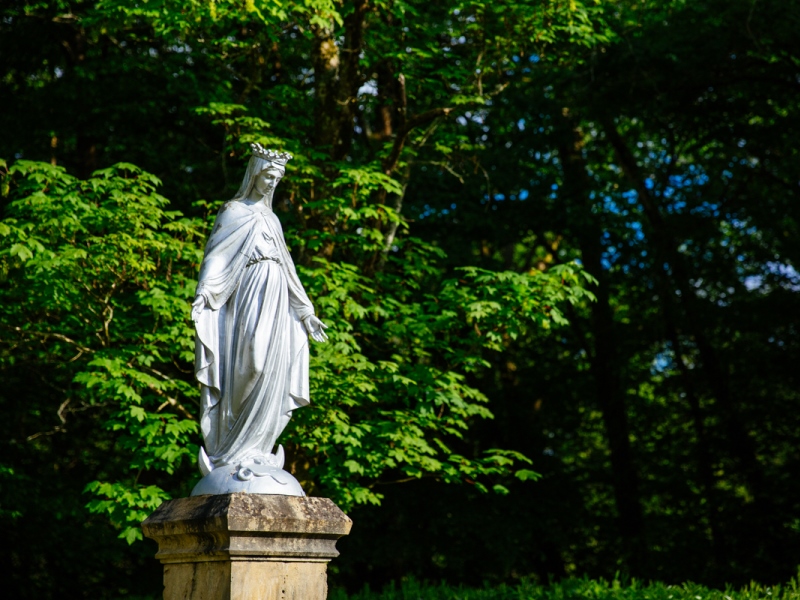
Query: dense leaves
{"type": "Point", "coordinates": [100, 279]}
{"type": "Point", "coordinates": [578, 217]}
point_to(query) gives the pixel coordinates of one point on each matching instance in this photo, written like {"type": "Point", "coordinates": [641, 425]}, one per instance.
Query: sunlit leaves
{"type": "Point", "coordinates": [100, 271]}
{"type": "Point", "coordinates": [108, 274]}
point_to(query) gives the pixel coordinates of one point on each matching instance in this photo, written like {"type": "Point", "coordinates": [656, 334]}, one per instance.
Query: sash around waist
{"type": "Point", "coordinates": [256, 260]}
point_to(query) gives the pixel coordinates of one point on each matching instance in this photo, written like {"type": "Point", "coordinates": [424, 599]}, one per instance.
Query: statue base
{"type": "Point", "coordinates": [246, 546]}
{"type": "Point", "coordinates": [232, 479]}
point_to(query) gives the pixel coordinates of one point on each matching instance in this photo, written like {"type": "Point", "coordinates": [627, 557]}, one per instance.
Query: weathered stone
{"type": "Point", "coordinates": [246, 546]}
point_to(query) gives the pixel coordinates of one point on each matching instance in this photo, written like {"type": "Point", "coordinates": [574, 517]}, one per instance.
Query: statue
{"type": "Point", "coordinates": [253, 321]}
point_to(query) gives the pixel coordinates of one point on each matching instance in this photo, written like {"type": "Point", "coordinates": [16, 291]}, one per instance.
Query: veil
{"type": "Point", "coordinates": [254, 167]}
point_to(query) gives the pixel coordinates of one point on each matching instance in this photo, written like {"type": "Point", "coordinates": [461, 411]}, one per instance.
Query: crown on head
{"type": "Point", "coordinates": [273, 156]}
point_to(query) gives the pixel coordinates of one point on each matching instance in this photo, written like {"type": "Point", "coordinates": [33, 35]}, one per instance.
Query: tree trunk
{"type": "Point", "coordinates": [741, 445]}
{"type": "Point", "coordinates": [338, 77]}
{"type": "Point", "coordinates": [604, 362]}
{"type": "Point", "coordinates": [705, 464]}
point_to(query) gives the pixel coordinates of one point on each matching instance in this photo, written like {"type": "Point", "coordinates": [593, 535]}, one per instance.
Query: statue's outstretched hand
{"type": "Point", "coordinates": [197, 307]}
{"type": "Point", "coordinates": [316, 328]}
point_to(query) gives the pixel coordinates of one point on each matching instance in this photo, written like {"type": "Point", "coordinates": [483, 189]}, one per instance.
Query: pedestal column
{"type": "Point", "coordinates": [246, 546]}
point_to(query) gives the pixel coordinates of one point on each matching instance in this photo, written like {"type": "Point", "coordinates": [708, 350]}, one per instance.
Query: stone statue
{"type": "Point", "coordinates": [253, 321]}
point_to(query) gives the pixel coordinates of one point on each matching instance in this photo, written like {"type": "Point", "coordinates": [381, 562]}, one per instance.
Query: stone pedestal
{"type": "Point", "coordinates": [246, 546]}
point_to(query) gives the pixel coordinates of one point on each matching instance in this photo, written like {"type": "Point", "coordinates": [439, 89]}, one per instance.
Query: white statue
{"type": "Point", "coordinates": [253, 321]}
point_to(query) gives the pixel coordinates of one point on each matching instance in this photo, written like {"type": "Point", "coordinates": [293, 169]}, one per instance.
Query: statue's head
{"type": "Point", "coordinates": [264, 171]}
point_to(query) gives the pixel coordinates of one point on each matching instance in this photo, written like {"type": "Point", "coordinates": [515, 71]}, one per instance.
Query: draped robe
{"type": "Point", "coordinates": [251, 349]}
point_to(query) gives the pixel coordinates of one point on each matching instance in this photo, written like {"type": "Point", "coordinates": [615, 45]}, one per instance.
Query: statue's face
{"type": "Point", "coordinates": [267, 181]}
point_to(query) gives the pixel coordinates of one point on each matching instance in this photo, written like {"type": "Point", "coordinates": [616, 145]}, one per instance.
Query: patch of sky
{"type": "Point", "coordinates": [638, 233]}
{"type": "Point", "coordinates": [677, 181]}
{"type": "Point", "coordinates": [786, 275]}
{"type": "Point", "coordinates": [534, 58]}
{"type": "Point", "coordinates": [706, 209]}
{"type": "Point", "coordinates": [773, 340]}
{"type": "Point", "coordinates": [743, 226]}
{"type": "Point", "coordinates": [662, 361]}
{"type": "Point", "coordinates": [430, 211]}
{"type": "Point", "coordinates": [521, 124]}
{"type": "Point", "coordinates": [676, 206]}
{"type": "Point", "coordinates": [523, 194]}
{"type": "Point", "coordinates": [701, 178]}
{"type": "Point", "coordinates": [515, 58]}
{"type": "Point", "coordinates": [610, 205]}
{"type": "Point", "coordinates": [479, 116]}
{"type": "Point", "coordinates": [611, 254]}
{"type": "Point", "coordinates": [369, 88]}
{"type": "Point", "coordinates": [427, 211]}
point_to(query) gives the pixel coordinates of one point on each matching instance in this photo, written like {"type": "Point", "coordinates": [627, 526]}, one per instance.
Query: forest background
{"type": "Point", "coordinates": [556, 242]}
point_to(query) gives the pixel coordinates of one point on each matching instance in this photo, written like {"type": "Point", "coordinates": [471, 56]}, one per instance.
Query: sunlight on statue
{"type": "Point", "coordinates": [253, 321]}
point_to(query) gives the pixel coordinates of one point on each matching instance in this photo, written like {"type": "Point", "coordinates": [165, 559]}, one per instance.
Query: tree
{"type": "Point", "coordinates": [651, 141]}
{"type": "Point", "coordinates": [112, 270]}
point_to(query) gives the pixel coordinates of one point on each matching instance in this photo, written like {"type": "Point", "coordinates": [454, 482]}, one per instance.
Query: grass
{"type": "Point", "coordinates": [575, 589]}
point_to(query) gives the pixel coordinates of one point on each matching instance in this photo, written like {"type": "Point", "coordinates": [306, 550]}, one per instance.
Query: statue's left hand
{"type": "Point", "coordinates": [197, 307]}
{"type": "Point", "coordinates": [316, 328]}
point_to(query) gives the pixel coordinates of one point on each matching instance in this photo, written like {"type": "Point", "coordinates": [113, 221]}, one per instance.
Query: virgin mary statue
{"type": "Point", "coordinates": [253, 321]}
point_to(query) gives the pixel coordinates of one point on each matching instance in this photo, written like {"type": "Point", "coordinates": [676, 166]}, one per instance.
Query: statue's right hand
{"type": "Point", "coordinates": [197, 307]}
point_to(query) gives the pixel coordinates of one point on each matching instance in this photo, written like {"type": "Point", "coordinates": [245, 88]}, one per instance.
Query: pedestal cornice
{"type": "Point", "coordinates": [247, 527]}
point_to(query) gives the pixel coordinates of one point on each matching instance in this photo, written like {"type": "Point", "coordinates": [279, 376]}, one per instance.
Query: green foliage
{"type": "Point", "coordinates": [455, 162]}
{"type": "Point", "coordinates": [98, 275]}
{"type": "Point", "coordinates": [107, 273]}
{"type": "Point", "coordinates": [391, 416]}
{"type": "Point", "coordinates": [569, 589]}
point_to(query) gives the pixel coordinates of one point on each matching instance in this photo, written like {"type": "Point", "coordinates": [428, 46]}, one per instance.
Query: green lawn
{"type": "Point", "coordinates": [575, 589]}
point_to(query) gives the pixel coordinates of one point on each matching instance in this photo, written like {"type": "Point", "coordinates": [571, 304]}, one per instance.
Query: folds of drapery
{"type": "Point", "coordinates": [251, 347]}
